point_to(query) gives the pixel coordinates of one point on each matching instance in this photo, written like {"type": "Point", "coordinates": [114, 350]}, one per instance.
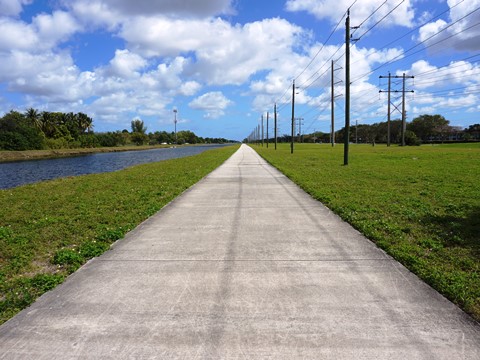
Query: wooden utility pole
{"type": "Point", "coordinates": [347, 86]}
{"type": "Point", "coordinates": [293, 116]}
{"type": "Point", "coordinates": [262, 131]}
{"type": "Point", "coordinates": [332, 128]}
{"type": "Point", "coordinates": [267, 129]}
{"type": "Point", "coordinates": [347, 89]}
{"type": "Point", "coordinates": [275, 118]}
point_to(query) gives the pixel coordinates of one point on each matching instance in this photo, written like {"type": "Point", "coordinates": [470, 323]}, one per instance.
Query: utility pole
{"type": "Point", "coordinates": [388, 109]}
{"type": "Point", "coordinates": [175, 122]}
{"type": "Point", "coordinates": [299, 134]}
{"type": "Point", "coordinates": [347, 87]}
{"type": "Point", "coordinates": [299, 130]}
{"type": "Point", "coordinates": [267, 129]}
{"type": "Point", "coordinates": [262, 131]}
{"type": "Point", "coordinates": [403, 91]}
{"type": "Point", "coordinates": [293, 116]}
{"type": "Point", "coordinates": [356, 131]}
{"type": "Point", "coordinates": [275, 118]}
{"type": "Point", "coordinates": [332, 129]}
{"type": "Point", "coordinates": [404, 113]}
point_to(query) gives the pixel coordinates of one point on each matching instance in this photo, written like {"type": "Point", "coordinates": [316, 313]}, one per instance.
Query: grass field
{"type": "Point", "coordinates": [420, 204]}
{"type": "Point", "coordinates": [49, 229]}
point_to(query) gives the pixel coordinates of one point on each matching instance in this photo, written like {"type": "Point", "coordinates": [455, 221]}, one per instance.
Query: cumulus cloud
{"type": "Point", "coordinates": [16, 35]}
{"type": "Point", "coordinates": [56, 27]}
{"type": "Point", "coordinates": [126, 64]}
{"type": "Point", "coordinates": [317, 76]}
{"type": "Point", "coordinates": [111, 13]}
{"type": "Point", "coordinates": [224, 54]}
{"type": "Point", "coordinates": [335, 9]}
{"type": "Point", "coordinates": [457, 72]}
{"type": "Point", "coordinates": [45, 32]}
{"type": "Point", "coordinates": [12, 7]}
{"type": "Point", "coordinates": [202, 8]}
{"type": "Point", "coordinates": [212, 103]}
{"type": "Point", "coordinates": [461, 32]}
{"type": "Point", "coordinates": [52, 77]}
{"type": "Point", "coordinates": [437, 89]}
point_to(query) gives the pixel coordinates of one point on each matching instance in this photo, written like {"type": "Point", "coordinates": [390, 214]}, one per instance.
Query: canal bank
{"type": "Point", "coordinates": [18, 173]}
{"type": "Point", "coordinates": [26, 155]}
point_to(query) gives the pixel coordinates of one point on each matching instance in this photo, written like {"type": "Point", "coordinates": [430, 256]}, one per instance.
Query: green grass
{"type": "Point", "coordinates": [49, 229]}
{"type": "Point", "coordinates": [420, 204]}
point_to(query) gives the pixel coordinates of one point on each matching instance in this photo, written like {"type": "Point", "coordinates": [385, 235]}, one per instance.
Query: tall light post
{"type": "Point", "coordinates": [175, 122]}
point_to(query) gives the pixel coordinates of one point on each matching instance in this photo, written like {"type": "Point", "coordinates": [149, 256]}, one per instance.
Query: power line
{"type": "Point", "coordinates": [403, 56]}
{"type": "Point", "coordinates": [383, 18]}
{"type": "Point", "coordinates": [418, 27]}
{"type": "Point", "coordinates": [323, 45]}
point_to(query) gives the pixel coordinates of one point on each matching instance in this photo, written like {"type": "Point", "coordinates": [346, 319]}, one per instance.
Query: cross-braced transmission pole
{"type": "Point", "coordinates": [403, 112]}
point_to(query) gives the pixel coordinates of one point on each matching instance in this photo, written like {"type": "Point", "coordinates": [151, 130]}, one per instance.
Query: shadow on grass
{"type": "Point", "coordinates": [459, 227]}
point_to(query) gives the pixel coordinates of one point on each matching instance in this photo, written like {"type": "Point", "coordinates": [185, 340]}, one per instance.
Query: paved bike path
{"type": "Point", "coordinates": [244, 265]}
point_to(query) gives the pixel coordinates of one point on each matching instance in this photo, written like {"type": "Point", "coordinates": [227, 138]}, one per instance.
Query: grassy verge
{"type": "Point", "coordinates": [420, 204]}
{"type": "Point", "coordinates": [7, 156]}
{"type": "Point", "coordinates": [49, 229]}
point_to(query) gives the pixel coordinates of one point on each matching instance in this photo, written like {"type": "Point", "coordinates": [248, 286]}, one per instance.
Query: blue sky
{"type": "Point", "coordinates": [224, 63]}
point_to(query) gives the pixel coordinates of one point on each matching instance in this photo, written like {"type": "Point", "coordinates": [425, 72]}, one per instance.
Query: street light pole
{"type": "Point", "coordinates": [175, 122]}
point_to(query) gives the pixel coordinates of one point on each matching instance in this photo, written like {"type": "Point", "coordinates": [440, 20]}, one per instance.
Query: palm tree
{"type": "Point", "coordinates": [85, 123]}
{"type": "Point", "coordinates": [138, 126]}
{"type": "Point", "coordinates": [48, 123]}
{"type": "Point", "coordinates": [34, 117]}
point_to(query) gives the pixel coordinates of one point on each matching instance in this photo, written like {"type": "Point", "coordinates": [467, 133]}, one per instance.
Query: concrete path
{"type": "Point", "coordinates": [244, 265]}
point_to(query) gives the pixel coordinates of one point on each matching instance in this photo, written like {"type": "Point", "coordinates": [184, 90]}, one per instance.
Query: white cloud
{"type": "Point", "coordinates": [16, 35]}
{"type": "Point", "coordinates": [461, 32]}
{"type": "Point", "coordinates": [335, 9]}
{"type": "Point", "coordinates": [455, 73]}
{"type": "Point", "coordinates": [44, 33]}
{"type": "Point", "coordinates": [45, 74]}
{"type": "Point", "coordinates": [12, 7]}
{"type": "Point", "coordinates": [126, 64]}
{"type": "Point", "coordinates": [224, 54]}
{"type": "Point", "coordinates": [212, 103]}
{"type": "Point", "coordinates": [190, 88]}
{"type": "Point", "coordinates": [128, 8]}
{"type": "Point", "coordinates": [55, 28]}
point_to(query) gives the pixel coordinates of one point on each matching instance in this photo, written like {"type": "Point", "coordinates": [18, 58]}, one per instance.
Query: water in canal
{"type": "Point", "coordinates": [25, 172]}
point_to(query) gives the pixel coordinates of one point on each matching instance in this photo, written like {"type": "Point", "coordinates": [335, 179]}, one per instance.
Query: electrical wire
{"type": "Point", "coordinates": [323, 45]}
{"type": "Point", "coordinates": [383, 18]}
{"type": "Point", "coordinates": [403, 56]}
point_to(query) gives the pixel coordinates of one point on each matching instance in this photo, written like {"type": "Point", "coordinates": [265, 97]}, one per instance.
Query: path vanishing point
{"type": "Point", "coordinates": [244, 265]}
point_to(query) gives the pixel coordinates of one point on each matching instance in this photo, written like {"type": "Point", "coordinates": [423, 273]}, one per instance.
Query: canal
{"type": "Point", "coordinates": [14, 174]}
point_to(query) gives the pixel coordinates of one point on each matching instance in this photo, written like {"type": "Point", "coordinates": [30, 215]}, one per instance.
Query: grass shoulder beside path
{"type": "Point", "coordinates": [420, 204]}
{"type": "Point", "coordinates": [49, 229]}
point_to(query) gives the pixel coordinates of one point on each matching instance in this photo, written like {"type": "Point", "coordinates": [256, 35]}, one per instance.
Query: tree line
{"type": "Point", "coordinates": [421, 130]}
{"type": "Point", "coordinates": [34, 130]}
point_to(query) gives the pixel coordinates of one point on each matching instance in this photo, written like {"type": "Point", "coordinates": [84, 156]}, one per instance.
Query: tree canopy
{"type": "Point", "coordinates": [34, 130]}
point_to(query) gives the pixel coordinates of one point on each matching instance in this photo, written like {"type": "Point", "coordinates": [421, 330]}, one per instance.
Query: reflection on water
{"type": "Point", "coordinates": [26, 172]}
